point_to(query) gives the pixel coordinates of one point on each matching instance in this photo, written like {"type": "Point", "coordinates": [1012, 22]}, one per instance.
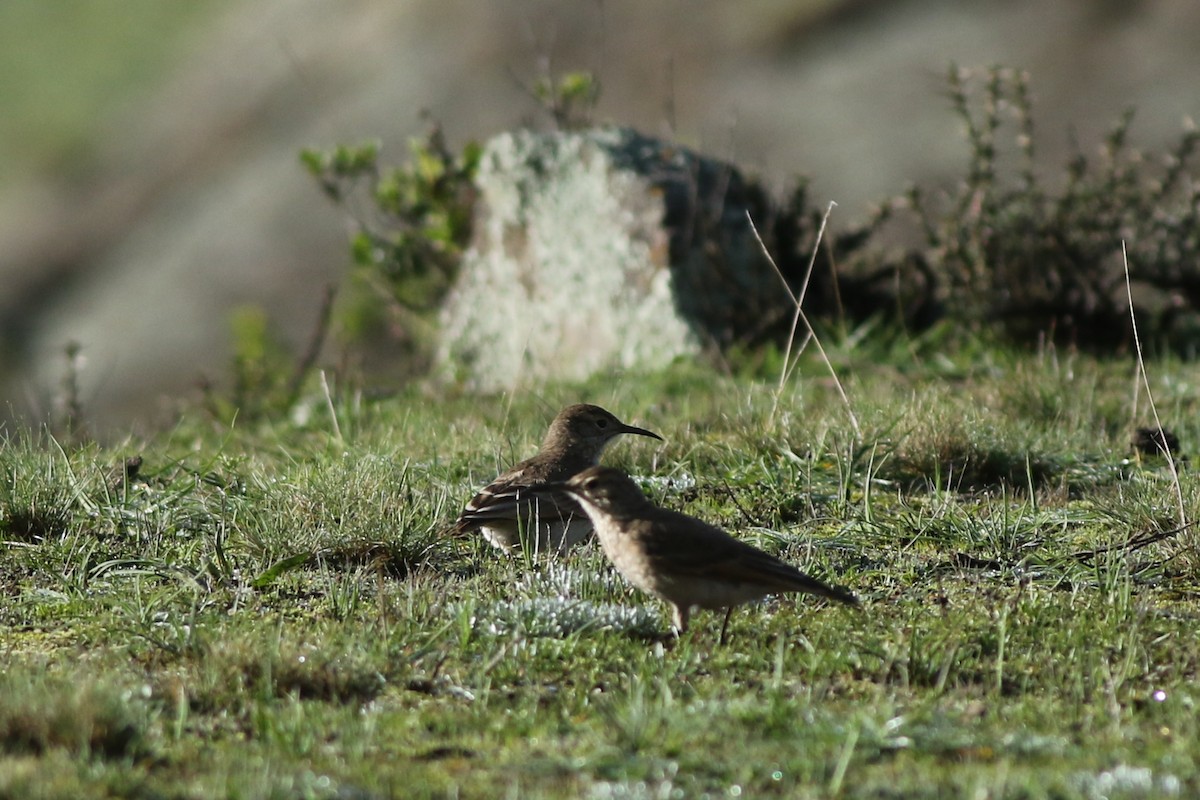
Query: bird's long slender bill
{"type": "Point", "coordinates": [641, 432]}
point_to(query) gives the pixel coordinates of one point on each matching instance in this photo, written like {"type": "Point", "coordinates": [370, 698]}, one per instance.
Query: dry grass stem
{"type": "Point", "coordinates": [1141, 368]}
{"type": "Point", "coordinates": [789, 362]}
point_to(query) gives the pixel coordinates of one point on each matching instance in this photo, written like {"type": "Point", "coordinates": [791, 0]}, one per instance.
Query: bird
{"type": "Point", "coordinates": [511, 517]}
{"type": "Point", "coordinates": [679, 558]}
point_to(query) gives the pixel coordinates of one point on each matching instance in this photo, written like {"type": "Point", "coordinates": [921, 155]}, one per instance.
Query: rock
{"type": "Point", "coordinates": [602, 249]}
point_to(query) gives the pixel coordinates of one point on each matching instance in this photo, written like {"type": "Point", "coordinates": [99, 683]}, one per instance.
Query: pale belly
{"type": "Point", "coordinates": [556, 537]}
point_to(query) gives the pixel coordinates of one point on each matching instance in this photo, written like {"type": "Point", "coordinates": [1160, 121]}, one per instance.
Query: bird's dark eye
{"type": "Point", "coordinates": [591, 484]}
{"type": "Point", "coordinates": [601, 423]}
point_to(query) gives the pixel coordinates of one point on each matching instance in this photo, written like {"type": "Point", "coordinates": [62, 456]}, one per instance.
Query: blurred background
{"type": "Point", "coordinates": [150, 185]}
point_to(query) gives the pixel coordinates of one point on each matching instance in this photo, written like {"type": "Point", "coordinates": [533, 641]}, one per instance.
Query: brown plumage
{"type": "Point", "coordinates": [506, 511]}
{"type": "Point", "coordinates": [678, 558]}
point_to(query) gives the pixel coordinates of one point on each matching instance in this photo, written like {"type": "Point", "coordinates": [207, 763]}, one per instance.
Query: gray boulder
{"type": "Point", "coordinates": [600, 250]}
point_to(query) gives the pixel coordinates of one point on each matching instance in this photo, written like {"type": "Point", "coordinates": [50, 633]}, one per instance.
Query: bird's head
{"type": "Point", "coordinates": [588, 429]}
{"type": "Point", "coordinates": [606, 489]}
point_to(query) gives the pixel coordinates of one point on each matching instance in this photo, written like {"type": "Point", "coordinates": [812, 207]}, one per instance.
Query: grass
{"type": "Point", "coordinates": [270, 611]}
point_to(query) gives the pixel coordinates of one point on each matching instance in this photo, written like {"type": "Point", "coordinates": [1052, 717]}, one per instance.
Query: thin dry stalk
{"type": "Point", "coordinates": [1141, 368]}
{"type": "Point", "coordinates": [337, 429]}
{"type": "Point", "coordinates": [798, 300]}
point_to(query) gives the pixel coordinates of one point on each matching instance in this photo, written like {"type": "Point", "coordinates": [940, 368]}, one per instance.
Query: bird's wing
{"type": "Point", "coordinates": [705, 551]}
{"type": "Point", "coordinates": [508, 498]}
{"type": "Point", "coordinates": [765, 569]}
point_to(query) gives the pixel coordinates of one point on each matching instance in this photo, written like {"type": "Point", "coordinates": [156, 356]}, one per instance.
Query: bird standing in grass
{"type": "Point", "coordinates": [507, 512]}
{"type": "Point", "coordinates": [679, 558]}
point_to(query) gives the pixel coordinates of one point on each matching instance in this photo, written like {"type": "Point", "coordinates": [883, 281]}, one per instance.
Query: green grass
{"type": "Point", "coordinates": [270, 611]}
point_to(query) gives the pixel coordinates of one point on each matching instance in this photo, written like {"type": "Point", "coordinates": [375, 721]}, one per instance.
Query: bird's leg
{"type": "Point", "coordinates": [680, 616]}
{"type": "Point", "coordinates": [725, 626]}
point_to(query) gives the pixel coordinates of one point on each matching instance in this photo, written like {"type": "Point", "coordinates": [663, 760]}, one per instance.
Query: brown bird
{"type": "Point", "coordinates": [679, 558]}
{"type": "Point", "coordinates": [506, 510]}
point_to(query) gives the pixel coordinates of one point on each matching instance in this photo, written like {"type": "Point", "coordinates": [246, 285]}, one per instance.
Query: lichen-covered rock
{"type": "Point", "coordinates": [602, 249]}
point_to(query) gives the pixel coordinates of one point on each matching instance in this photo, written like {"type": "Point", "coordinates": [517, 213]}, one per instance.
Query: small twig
{"type": "Point", "coordinates": [1183, 522]}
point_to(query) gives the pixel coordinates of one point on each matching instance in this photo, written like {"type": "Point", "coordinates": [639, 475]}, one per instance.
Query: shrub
{"type": "Point", "coordinates": [1004, 250]}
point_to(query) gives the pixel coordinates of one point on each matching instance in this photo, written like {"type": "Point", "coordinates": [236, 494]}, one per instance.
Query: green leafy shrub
{"type": "Point", "coordinates": [570, 100]}
{"type": "Point", "coordinates": [411, 222]}
{"type": "Point", "coordinates": [410, 226]}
